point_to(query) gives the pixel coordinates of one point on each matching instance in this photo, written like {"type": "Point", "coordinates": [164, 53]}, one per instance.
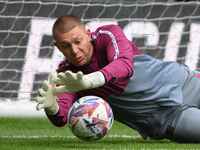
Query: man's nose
{"type": "Point", "coordinates": [75, 49]}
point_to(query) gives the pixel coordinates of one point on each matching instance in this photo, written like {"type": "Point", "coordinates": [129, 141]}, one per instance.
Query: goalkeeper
{"type": "Point", "coordinates": [158, 99]}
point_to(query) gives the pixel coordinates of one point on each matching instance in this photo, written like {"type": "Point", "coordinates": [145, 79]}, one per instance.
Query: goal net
{"type": "Point", "coordinates": [163, 29]}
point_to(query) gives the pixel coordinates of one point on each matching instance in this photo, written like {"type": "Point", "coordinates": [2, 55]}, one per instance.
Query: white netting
{"type": "Point", "coordinates": [164, 30]}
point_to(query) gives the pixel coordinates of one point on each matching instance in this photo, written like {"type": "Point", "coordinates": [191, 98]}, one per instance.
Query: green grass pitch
{"type": "Point", "coordinates": [40, 134]}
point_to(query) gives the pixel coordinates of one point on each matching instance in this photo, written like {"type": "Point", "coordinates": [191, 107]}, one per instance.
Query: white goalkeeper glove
{"type": "Point", "coordinates": [73, 82]}
{"type": "Point", "coordinates": [45, 97]}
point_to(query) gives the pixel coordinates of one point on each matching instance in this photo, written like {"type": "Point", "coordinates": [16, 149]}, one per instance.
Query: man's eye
{"type": "Point", "coordinates": [78, 42]}
{"type": "Point", "coordinates": [65, 46]}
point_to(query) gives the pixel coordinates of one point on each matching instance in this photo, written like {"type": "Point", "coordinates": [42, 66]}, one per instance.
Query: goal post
{"type": "Point", "coordinates": [162, 29]}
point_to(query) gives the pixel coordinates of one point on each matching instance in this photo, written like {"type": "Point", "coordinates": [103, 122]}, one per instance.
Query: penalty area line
{"type": "Point", "coordinates": [58, 136]}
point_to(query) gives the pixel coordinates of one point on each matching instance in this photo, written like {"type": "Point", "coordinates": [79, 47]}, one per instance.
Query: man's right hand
{"type": "Point", "coordinates": [45, 97]}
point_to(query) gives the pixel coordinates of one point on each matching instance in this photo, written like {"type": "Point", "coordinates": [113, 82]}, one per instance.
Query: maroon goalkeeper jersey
{"type": "Point", "coordinates": [138, 87]}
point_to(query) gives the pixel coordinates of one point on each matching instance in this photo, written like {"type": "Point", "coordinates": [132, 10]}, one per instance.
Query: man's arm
{"type": "Point", "coordinates": [119, 51]}
{"type": "Point", "coordinates": [65, 102]}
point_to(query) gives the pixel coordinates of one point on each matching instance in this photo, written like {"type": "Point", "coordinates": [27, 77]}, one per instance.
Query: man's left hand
{"type": "Point", "coordinates": [73, 82]}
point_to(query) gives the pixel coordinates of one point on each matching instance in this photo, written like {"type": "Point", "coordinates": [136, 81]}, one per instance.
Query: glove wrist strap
{"type": "Point", "coordinates": [53, 109]}
{"type": "Point", "coordinates": [97, 79]}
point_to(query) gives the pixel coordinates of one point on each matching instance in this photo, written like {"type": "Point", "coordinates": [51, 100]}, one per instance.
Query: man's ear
{"type": "Point", "coordinates": [88, 32]}
{"type": "Point", "coordinates": [55, 44]}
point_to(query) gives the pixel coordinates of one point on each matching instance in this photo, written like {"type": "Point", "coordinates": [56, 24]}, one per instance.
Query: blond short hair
{"type": "Point", "coordinates": [66, 23]}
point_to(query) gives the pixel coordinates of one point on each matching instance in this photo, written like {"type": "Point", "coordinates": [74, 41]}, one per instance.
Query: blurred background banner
{"type": "Point", "coordinates": [167, 30]}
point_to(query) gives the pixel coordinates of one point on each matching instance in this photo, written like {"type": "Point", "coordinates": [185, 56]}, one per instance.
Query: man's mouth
{"type": "Point", "coordinates": [79, 58]}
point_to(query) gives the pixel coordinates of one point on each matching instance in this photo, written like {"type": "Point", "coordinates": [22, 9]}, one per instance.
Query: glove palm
{"type": "Point", "coordinates": [71, 82]}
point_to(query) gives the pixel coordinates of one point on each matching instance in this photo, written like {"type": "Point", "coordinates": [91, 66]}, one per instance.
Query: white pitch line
{"type": "Point", "coordinates": [58, 136]}
{"type": "Point", "coordinates": [124, 136]}
{"type": "Point", "coordinates": [36, 136]}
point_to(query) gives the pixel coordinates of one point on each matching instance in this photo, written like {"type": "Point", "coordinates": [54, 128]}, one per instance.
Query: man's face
{"type": "Point", "coordinates": [76, 46]}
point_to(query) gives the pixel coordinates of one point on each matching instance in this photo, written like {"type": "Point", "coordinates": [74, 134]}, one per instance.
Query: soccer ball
{"type": "Point", "coordinates": [90, 118]}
